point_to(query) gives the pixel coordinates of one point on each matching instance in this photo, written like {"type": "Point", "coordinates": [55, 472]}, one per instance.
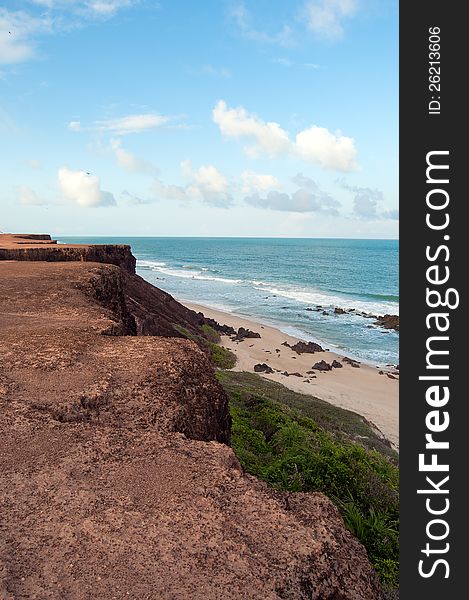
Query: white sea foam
{"type": "Point", "coordinates": [189, 272]}
{"type": "Point", "coordinates": [149, 264]}
{"type": "Point", "coordinates": [303, 295]}
{"type": "Point", "coordinates": [315, 297]}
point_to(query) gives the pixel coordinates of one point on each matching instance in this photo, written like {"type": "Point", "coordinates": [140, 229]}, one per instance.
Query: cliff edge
{"type": "Point", "coordinates": [117, 477]}
{"type": "Point", "coordinates": [41, 247]}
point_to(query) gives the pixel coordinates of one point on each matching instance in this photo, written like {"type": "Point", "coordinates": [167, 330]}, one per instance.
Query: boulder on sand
{"type": "Point", "coordinates": [244, 333]}
{"type": "Point", "coordinates": [263, 368]}
{"type": "Point", "coordinates": [305, 347]}
{"type": "Point", "coordinates": [322, 365]}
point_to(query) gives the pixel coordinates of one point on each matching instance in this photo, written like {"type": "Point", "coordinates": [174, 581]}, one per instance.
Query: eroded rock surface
{"type": "Point", "coordinates": [117, 480]}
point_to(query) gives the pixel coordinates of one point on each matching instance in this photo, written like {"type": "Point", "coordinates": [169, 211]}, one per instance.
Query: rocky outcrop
{"type": "Point", "coordinates": [244, 333]}
{"type": "Point", "coordinates": [117, 478]}
{"type": "Point", "coordinates": [263, 368]}
{"type": "Point", "coordinates": [31, 248]}
{"type": "Point", "coordinates": [157, 312]}
{"type": "Point", "coordinates": [137, 307]}
{"type": "Point", "coordinates": [304, 347]}
{"type": "Point", "coordinates": [322, 365]}
{"type": "Point", "coordinates": [221, 328]}
{"type": "Point", "coordinates": [351, 361]}
{"type": "Point", "coordinates": [388, 322]}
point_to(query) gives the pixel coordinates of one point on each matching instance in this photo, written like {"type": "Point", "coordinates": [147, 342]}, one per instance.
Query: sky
{"type": "Point", "coordinates": [259, 118]}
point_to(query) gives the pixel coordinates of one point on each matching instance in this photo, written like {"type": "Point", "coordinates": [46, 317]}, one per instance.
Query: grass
{"type": "Point", "coordinates": [209, 339]}
{"type": "Point", "coordinates": [210, 333]}
{"type": "Point", "coordinates": [300, 443]}
{"type": "Point", "coordinates": [343, 424]}
{"type": "Point", "coordinates": [222, 357]}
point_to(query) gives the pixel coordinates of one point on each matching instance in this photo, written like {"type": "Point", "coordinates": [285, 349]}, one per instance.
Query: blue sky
{"type": "Point", "coordinates": [254, 118]}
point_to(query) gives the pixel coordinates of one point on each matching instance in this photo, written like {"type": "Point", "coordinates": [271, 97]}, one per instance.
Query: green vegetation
{"type": "Point", "coordinates": [300, 443]}
{"type": "Point", "coordinates": [210, 333]}
{"type": "Point", "coordinates": [222, 357]}
{"type": "Point", "coordinates": [209, 338]}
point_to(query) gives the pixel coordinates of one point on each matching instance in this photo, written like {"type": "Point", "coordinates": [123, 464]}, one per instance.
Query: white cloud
{"type": "Point", "coordinates": [242, 19]}
{"type": "Point", "coordinates": [269, 138]}
{"type": "Point", "coordinates": [27, 196]}
{"type": "Point", "coordinates": [169, 192]}
{"type": "Point", "coordinates": [367, 203]}
{"type": "Point", "coordinates": [83, 189]}
{"type": "Point", "coordinates": [316, 145]}
{"type": "Point", "coordinates": [128, 161]}
{"type": "Point", "coordinates": [89, 8]}
{"type": "Point", "coordinates": [16, 30]}
{"type": "Point", "coordinates": [307, 198]}
{"type": "Point", "coordinates": [20, 29]}
{"type": "Point", "coordinates": [205, 183]}
{"type": "Point", "coordinates": [392, 214]}
{"type": "Point", "coordinates": [74, 126]}
{"type": "Point", "coordinates": [107, 8]}
{"type": "Point", "coordinates": [124, 125]}
{"type": "Point", "coordinates": [325, 18]}
{"type": "Point", "coordinates": [257, 182]}
{"type": "Point", "coordinates": [131, 124]}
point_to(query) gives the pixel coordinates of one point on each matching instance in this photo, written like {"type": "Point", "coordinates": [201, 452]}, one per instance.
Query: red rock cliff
{"type": "Point", "coordinates": [36, 247]}
{"type": "Point", "coordinates": [117, 480]}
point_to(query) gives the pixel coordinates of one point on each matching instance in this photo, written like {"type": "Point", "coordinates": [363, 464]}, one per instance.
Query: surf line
{"type": "Point", "coordinates": [440, 300]}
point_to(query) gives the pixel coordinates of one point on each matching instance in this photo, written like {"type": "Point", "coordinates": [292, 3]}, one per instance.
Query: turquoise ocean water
{"type": "Point", "coordinates": [277, 280]}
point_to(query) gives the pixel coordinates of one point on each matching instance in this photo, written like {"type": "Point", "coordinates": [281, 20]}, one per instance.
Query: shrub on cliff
{"type": "Point", "coordinates": [208, 340]}
{"type": "Point", "coordinates": [293, 452]}
{"type": "Point", "coordinates": [222, 357]}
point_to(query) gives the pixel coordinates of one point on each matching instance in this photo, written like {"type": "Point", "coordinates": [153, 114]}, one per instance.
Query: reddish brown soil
{"type": "Point", "coordinates": [117, 480]}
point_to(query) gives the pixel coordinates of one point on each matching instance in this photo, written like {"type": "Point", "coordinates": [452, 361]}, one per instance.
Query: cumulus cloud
{"type": "Point", "coordinates": [124, 125]}
{"type": "Point", "coordinates": [27, 196]}
{"type": "Point", "coordinates": [391, 214]}
{"type": "Point", "coordinates": [269, 138]}
{"type": "Point", "coordinates": [206, 183]}
{"type": "Point", "coordinates": [307, 198]}
{"type": "Point", "coordinates": [128, 161]}
{"type": "Point", "coordinates": [257, 182]}
{"type": "Point", "coordinates": [169, 192]}
{"type": "Point", "coordinates": [316, 145]}
{"type": "Point", "coordinates": [83, 189]}
{"type": "Point", "coordinates": [326, 18]}
{"type": "Point", "coordinates": [241, 17]}
{"type": "Point", "coordinates": [367, 203]}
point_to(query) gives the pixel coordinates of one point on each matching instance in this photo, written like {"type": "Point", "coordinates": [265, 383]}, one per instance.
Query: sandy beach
{"type": "Point", "coordinates": [363, 390]}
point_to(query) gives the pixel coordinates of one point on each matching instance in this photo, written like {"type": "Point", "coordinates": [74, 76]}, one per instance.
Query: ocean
{"type": "Point", "coordinates": [293, 284]}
